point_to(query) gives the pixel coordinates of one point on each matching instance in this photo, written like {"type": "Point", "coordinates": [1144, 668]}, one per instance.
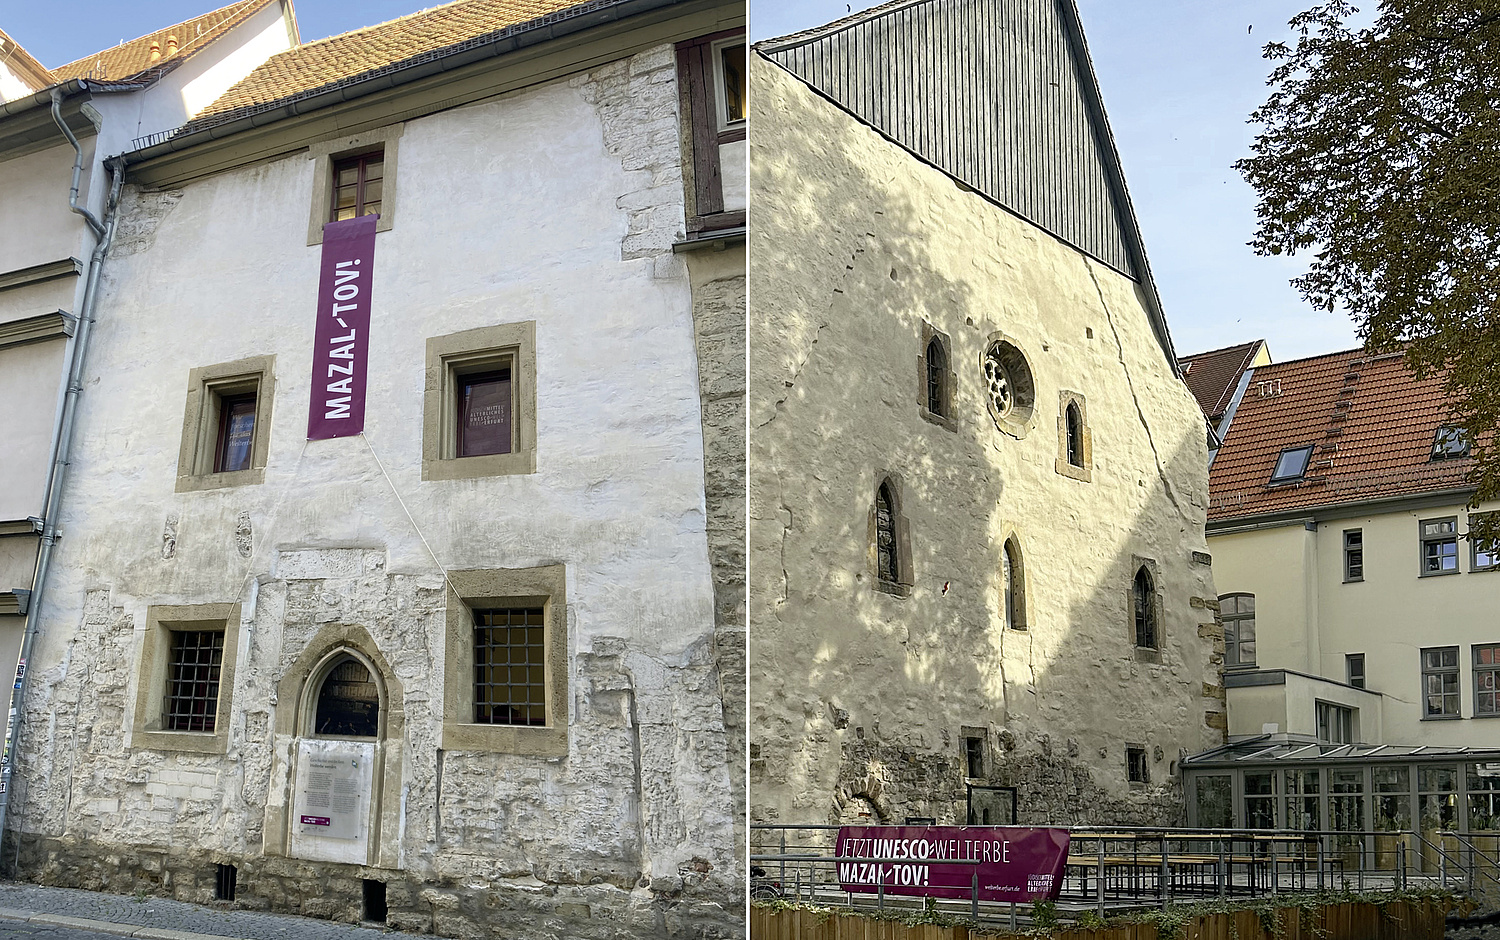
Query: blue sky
{"type": "Point", "coordinates": [1180, 78]}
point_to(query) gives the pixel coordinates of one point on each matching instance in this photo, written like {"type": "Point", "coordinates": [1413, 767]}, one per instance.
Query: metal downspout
{"type": "Point", "coordinates": [62, 439]}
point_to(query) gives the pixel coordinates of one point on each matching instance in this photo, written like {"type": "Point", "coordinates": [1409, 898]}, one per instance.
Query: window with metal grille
{"type": "Point", "coordinates": [886, 561]}
{"type": "Point", "coordinates": [1075, 434]}
{"type": "Point", "coordinates": [236, 433]}
{"type": "Point", "coordinates": [1439, 546]}
{"type": "Point", "coordinates": [510, 666]}
{"type": "Point", "coordinates": [937, 372]}
{"type": "Point", "coordinates": [1354, 555]}
{"type": "Point", "coordinates": [1354, 668]}
{"type": "Point", "coordinates": [1487, 679]}
{"type": "Point", "coordinates": [193, 680]}
{"type": "Point", "coordinates": [1136, 768]}
{"type": "Point", "coordinates": [358, 183]}
{"type": "Point", "coordinates": [1238, 613]}
{"type": "Point", "coordinates": [1144, 594]}
{"type": "Point", "coordinates": [1440, 682]}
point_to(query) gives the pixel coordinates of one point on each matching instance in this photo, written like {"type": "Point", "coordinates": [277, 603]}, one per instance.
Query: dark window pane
{"type": "Point", "coordinates": [885, 537]}
{"type": "Point", "coordinates": [349, 702]}
{"type": "Point", "coordinates": [192, 701]}
{"type": "Point", "coordinates": [236, 433]}
{"type": "Point", "coordinates": [484, 414]}
{"type": "Point", "coordinates": [732, 59]}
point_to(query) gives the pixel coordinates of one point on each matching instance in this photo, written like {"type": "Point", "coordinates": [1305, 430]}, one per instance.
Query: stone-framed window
{"type": "Point", "coordinates": [185, 678]}
{"type": "Point", "coordinates": [1137, 766]}
{"type": "Point", "coordinates": [1145, 606]}
{"type": "Point", "coordinates": [479, 407]}
{"type": "Point", "coordinates": [1075, 439]}
{"type": "Point", "coordinates": [1009, 389]}
{"type": "Point", "coordinates": [471, 699]}
{"type": "Point", "coordinates": [974, 751]}
{"type": "Point", "coordinates": [332, 155]}
{"type": "Point", "coordinates": [935, 378]}
{"type": "Point", "coordinates": [711, 75]}
{"type": "Point", "coordinates": [1013, 584]}
{"type": "Point", "coordinates": [890, 539]}
{"type": "Point", "coordinates": [226, 424]}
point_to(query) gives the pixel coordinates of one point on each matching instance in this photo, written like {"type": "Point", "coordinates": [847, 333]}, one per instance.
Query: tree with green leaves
{"type": "Point", "coordinates": [1379, 158]}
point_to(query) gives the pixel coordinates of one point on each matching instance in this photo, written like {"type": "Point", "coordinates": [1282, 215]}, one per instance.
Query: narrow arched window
{"type": "Point", "coordinates": [886, 562]}
{"type": "Point", "coordinates": [348, 702]}
{"type": "Point", "coordinates": [1075, 434]}
{"type": "Point", "coordinates": [937, 372]}
{"type": "Point", "coordinates": [1014, 585]}
{"type": "Point", "coordinates": [1145, 609]}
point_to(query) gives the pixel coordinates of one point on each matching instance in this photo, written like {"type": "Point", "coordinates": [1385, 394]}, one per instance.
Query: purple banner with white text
{"type": "Point", "coordinates": [337, 408]}
{"type": "Point", "coordinates": [1014, 863]}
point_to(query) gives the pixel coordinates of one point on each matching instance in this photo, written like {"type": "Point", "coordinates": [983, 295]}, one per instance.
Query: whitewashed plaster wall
{"type": "Point", "coordinates": [859, 699]}
{"type": "Point", "coordinates": [557, 204]}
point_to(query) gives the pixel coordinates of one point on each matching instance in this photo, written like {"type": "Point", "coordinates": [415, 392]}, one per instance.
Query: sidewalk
{"type": "Point", "coordinates": [162, 919]}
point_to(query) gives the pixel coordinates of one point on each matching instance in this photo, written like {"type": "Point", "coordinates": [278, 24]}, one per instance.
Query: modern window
{"type": "Point", "coordinates": [1291, 465]}
{"type": "Point", "coordinates": [1486, 686]}
{"type": "Point", "coordinates": [1440, 682]}
{"type": "Point", "coordinates": [1143, 596]}
{"type": "Point", "coordinates": [192, 696]}
{"type": "Point", "coordinates": [1335, 723]}
{"type": "Point", "coordinates": [1237, 611]}
{"type": "Point", "coordinates": [226, 425]}
{"type": "Point", "coordinates": [354, 175]}
{"type": "Point", "coordinates": [1354, 669]}
{"type": "Point", "coordinates": [974, 756]}
{"type": "Point", "coordinates": [1450, 442]}
{"type": "Point", "coordinates": [510, 663]}
{"type": "Point", "coordinates": [358, 183]}
{"type": "Point", "coordinates": [1439, 546]}
{"type": "Point", "coordinates": [479, 408]}
{"type": "Point", "coordinates": [1354, 555]}
{"type": "Point", "coordinates": [186, 678]}
{"type": "Point", "coordinates": [1013, 585]}
{"type": "Point", "coordinates": [507, 679]}
{"type": "Point", "coordinates": [1137, 769]}
{"type": "Point", "coordinates": [1484, 554]}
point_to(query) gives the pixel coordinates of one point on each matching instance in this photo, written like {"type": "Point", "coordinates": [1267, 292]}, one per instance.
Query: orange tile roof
{"type": "Point", "coordinates": [316, 65]}
{"type": "Point", "coordinates": [1370, 420]}
{"type": "Point", "coordinates": [133, 57]}
{"type": "Point", "coordinates": [1213, 376]}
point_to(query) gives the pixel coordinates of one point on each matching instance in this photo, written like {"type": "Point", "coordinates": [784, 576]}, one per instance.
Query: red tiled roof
{"type": "Point", "coordinates": [1370, 420]}
{"type": "Point", "coordinates": [1213, 376]}
{"type": "Point", "coordinates": [133, 57]}
{"type": "Point", "coordinates": [316, 65]}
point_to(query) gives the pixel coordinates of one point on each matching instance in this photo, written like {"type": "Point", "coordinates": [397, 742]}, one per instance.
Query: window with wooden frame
{"type": "Point", "coordinates": [358, 184]}
{"type": "Point", "coordinates": [712, 77]}
{"type": "Point", "coordinates": [1439, 546]}
{"type": "Point", "coordinates": [1237, 611]}
{"type": "Point", "coordinates": [226, 426]}
{"type": "Point", "coordinates": [1354, 555]}
{"type": "Point", "coordinates": [354, 175]}
{"type": "Point", "coordinates": [1137, 768]}
{"type": "Point", "coordinates": [479, 414]}
{"type": "Point", "coordinates": [1440, 682]}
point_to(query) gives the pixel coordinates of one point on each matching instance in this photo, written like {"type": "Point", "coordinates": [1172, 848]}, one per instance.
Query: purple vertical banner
{"type": "Point", "coordinates": [337, 406]}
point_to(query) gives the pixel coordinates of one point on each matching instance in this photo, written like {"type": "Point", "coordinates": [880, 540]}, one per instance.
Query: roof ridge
{"type": "Point", "coordinates": [1222, 349]}
{"type": "Point", "coordinates": [381, 25]}
{"type": "Point", "coordinates": [1358, 352]}
{"type": "Point", "coordinates": [238, 6]}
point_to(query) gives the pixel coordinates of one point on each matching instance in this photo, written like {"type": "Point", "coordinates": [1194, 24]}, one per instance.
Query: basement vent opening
{"type": "Point", "coordinates": [225, 877]}
{"type": "Point", "coordinates": [375, 911]}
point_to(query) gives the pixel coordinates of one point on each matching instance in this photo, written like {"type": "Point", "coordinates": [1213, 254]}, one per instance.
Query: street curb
{"type": "Point", "coordinates": [104, 926]}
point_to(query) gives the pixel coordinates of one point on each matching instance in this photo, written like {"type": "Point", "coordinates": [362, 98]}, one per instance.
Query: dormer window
{"type": "Point", "coordinates": [1292, 464]}
{"type": "Point", "coordinates": [1450, 442]}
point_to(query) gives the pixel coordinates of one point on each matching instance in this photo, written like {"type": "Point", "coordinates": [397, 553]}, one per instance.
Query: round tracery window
{"type": "Point", "coordinates": [1010, 392]}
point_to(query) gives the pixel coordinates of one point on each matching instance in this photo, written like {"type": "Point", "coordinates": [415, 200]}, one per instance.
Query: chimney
{"type": "Point", "coordinates": [171, 45]}
{"type": "Point", "coordinates": [155, 51]}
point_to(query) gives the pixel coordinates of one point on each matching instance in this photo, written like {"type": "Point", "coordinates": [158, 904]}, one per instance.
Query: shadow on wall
{"type": "Point", "coordinates": [861, 700]}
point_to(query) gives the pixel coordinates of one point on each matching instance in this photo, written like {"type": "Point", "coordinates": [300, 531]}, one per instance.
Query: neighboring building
{"type": "Point", "coordinates": [48, 252]}
{"type": "Point", "coordinates": [1218, 379]}
{"type": "Point", "coordinates": [472, 667]}
{"type": "Point", "coordinates": [1362, 648]}
{"type": "Point", "coordinates": [977, 482]}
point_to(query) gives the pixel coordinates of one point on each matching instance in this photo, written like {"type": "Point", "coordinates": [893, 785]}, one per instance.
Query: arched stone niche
{"type": "Point", "coordinates": [298, 738]}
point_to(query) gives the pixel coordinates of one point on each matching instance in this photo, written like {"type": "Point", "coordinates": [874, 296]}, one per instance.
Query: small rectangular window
{"type": "Point", "coordinates": [236, 440]}
{"type": "Point", "coordinates": [358, 184]}
{"type": "Point", "coordinates": [1484, 553]}
{"type": "Point", "coordinates": [510, 666]}
{"type": "Point", "coordinates": [974, 756]}
{"type": "Point", "coordinates": [1292, 464]}
{"type": "Point", "coordinates": [1450, 442]}
{"type": "Point", "coordinates": [1440, 682]}
{"type": "Point", "coordinates": [484, 413]}
{"type": "Point", "coordinates": [729, 74]}
{"type": "Point", "coordinates": [1486, 672]}
{"type": "Point", "coordinates": [192, 700]}
{"type": "Point", "coordinates": [1354, 668]}
{"type": "Point", "coordinates": [1335, 723]}
{"type": "Point", "coordinates": [1354, 555]}
{"type": "Point", "coordinates": [1136, 768]}
{"type": "Point", "coordinates": [1439, 546]}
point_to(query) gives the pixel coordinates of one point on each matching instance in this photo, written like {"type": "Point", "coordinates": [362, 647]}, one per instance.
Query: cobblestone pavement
{"type": "Point", "coordinates": [163, 913]}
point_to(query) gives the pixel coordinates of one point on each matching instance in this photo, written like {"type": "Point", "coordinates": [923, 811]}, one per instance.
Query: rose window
{"type": "Point", "coordinates": [1002, 391]}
